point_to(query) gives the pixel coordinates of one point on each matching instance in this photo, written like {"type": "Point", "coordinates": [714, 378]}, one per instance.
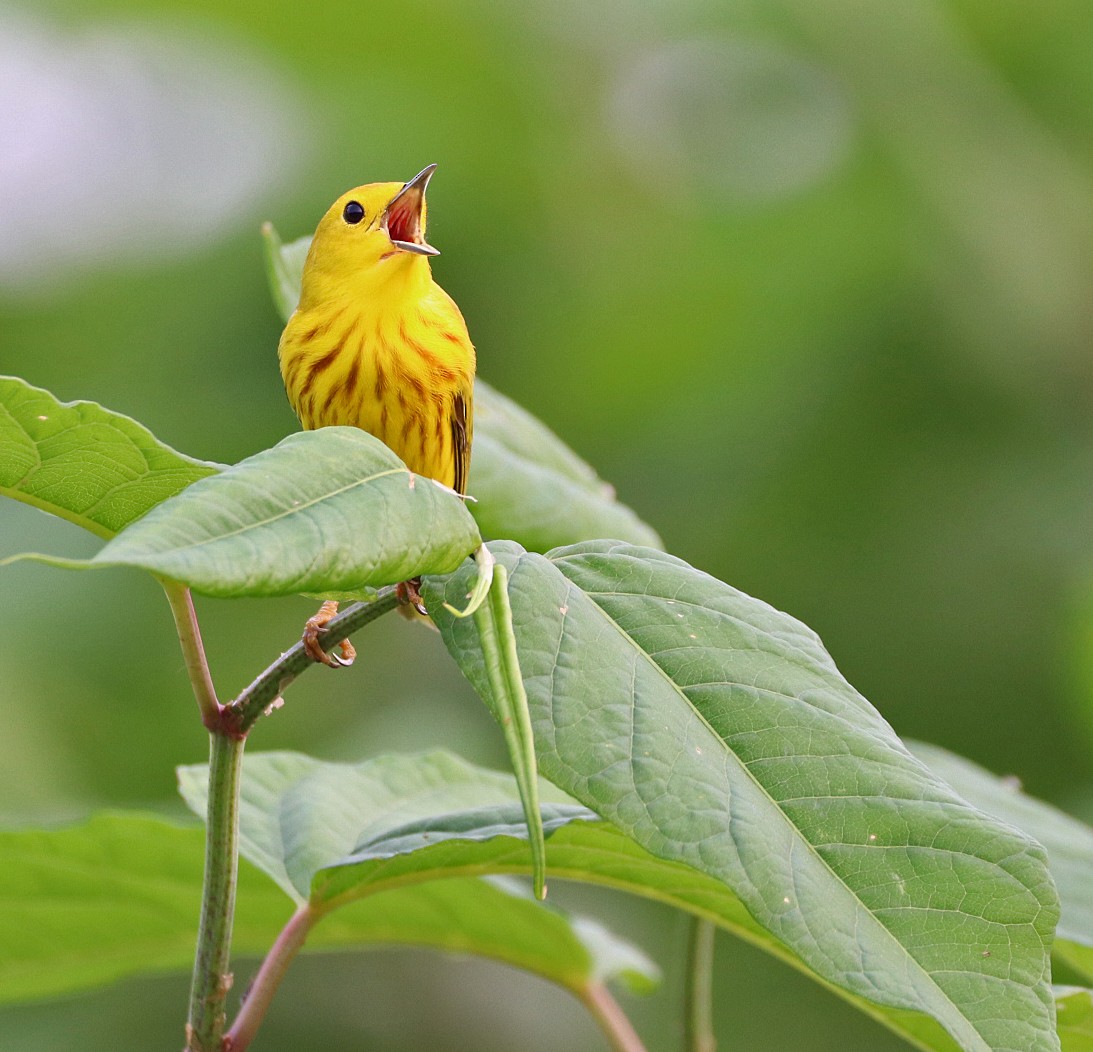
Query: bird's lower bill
{"type": "Point", "coordinates": [402, 220]}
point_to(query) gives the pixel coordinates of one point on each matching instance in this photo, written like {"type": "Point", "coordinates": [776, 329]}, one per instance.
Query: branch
{"type": "Point", "coordinates": [254, 700]}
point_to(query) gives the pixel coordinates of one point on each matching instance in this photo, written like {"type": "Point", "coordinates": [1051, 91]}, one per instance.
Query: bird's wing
{"type": "Point", "coordinates": [462, 416]}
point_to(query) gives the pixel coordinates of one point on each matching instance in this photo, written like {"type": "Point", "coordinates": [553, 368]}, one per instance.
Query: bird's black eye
{"type": "Point", "coordinates": [353, 213]}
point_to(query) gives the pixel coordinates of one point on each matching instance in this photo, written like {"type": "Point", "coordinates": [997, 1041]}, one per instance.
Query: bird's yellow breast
{"type": "Point", "coordinates": [401, 369]}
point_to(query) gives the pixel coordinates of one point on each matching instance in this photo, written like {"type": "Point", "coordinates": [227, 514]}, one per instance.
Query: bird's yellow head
{"type": "Point", "coordinates": [369, 237]}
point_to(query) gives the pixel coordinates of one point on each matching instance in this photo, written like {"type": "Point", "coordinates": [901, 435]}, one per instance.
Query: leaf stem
{"type": "Point", "coordinates": [268, 979]}
{"type": "Point", "coordinates": [612, 1019]}
{"type": "Point", "coordinates": [255, 699]}
{"type": "Point", "coordinates": [212, 980]}
{"type": "Point", "coordinates": [193, 650]}
{"type": "Point", "coordinates": [698, 988]}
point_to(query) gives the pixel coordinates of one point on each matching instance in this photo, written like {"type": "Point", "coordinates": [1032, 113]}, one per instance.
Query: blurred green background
{"type": "Point", "coordinates": [808, 280]}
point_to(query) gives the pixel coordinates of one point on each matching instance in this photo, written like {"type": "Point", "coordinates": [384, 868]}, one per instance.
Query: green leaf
{"type": "Point", "coordinates": [1074, 1008]}
{"type": "Point", "coordinates": [333, 834]}
{"type": "Point", "coordinates": [98, 469]}
{"type": "Point", "coordinates": [527, 483]}
{"type": "Point", "coordinates": [299, 815]}
{"type": "Point", "coordinates": [717, 732]}
{"type": "Point", "coordinates": [119, 895]}
{"type": "Point", "coordinates": [326, 510]}
{"type": "Point", "coordinates": [284, 264]}
{"type": "Point", "coordinates": [91, 903]}
{"type": "Point", "coordinates": [532, 488]}
{"type": "Point", "coordinates": [1068, 843]}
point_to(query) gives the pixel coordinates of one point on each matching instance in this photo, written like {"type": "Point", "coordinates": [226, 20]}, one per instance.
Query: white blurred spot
{"type": "Point", "coordinates": [128, 141]}
{"type": "Point", "coordinates": [745, 120]}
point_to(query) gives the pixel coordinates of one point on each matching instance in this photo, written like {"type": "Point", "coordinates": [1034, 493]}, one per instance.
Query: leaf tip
{"type": "Point", "coordinates": [488, 568]}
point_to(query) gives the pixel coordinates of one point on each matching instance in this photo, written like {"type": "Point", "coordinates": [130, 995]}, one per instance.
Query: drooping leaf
{"type": "Point", "coordinates": [716, 731]}
{"type": "Point", "coordinates": [527, 483]}
{"type": "Point", "coordinates": [1068, 843]}
{"type": "Point", "coordinates": [119, 895]}
{"type": "Point", "coordinates": [327, 510]}
{"type": "Point", "coordinates": [493, 620]}
{"type": "Point", "coordinates": [84, 463]}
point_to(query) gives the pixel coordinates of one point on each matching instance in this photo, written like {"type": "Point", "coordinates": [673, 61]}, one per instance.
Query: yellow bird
{"type": "Point", "coordinates": [375, 343]}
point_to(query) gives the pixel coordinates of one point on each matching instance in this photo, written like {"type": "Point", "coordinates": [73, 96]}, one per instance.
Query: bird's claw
{"type": "Point", "coordinates": [408, 595]}
{"type": "Point", "coordinates": [314, 628]}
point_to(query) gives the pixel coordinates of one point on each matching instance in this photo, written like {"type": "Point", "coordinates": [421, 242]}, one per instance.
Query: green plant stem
{"type": "Point", "coordinates": [612, 1019]}
{"type": "Point", "coordinates": [228, 726]}
{"type": "Point", "coordinates": [698, 989]}
{"type": "Point", "coordinates": [193, 650]}
{"type": "Point", "coordinates": [212, 979]}
{"type": "Point", "coordinates": [268, 979]}
{"type": "Point", "coordinates": [255, 699]}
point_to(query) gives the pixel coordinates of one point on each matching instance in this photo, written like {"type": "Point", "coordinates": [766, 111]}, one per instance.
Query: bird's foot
{"type": "Point", "coordinates": [409, 595]}
{"type": "Point", "coordinates": [314, 628]}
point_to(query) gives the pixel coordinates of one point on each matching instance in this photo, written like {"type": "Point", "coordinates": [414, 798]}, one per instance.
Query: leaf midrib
{"type": "Point", "coordinates": [295, 510]}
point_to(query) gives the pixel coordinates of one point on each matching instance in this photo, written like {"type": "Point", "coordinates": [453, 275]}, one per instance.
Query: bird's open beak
{"type": "Point", "coordinates": [402, 219]}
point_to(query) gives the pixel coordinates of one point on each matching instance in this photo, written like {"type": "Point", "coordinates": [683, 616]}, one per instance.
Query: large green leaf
{"type": "Point", "coordinates": [528, 484]}
{"type": "Point", "coordinates": [119, 895]}
{"type": "Point", "coordinates": [326, 510]}
{"type": "Point", "coordinates": [716, 731]}
{"type": "Point", "coordinates": [98, 469]}
{"type": "Point", "coordinates": [1068, 843]}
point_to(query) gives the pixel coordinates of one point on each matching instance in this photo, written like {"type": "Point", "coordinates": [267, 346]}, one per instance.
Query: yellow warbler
{"type": "Point", "coordinates": [375, 343]}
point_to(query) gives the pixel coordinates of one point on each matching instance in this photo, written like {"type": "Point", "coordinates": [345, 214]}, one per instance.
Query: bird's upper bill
{"type": "Point", "coordinates": [402, 219]}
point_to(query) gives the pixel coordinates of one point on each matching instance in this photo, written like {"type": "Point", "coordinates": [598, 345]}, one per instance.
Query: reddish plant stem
{"type": "Point", "coordinates": [265, 984]}
{"type": "Point", "coordinates": [612, 1019]}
